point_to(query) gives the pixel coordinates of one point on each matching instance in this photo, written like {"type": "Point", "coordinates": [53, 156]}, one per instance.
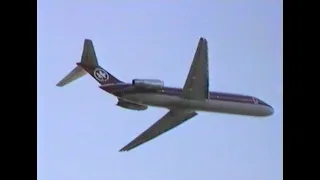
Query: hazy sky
{"type": "Point", "coordinates": [80, 130]}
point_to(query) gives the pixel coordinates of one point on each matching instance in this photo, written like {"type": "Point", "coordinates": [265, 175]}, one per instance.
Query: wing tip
{"type": "Point", "coordinates": [123, 150]}
{"type": "Point", "coordinates": [61, 83]}
{"type": "Point", "coordinates": [87, 40]}
{"type": "Point", "coordinates": [203, 40]}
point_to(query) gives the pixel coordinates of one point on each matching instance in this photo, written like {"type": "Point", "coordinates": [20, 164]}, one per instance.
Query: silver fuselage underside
{"type": "Point", "coordinates": [229, 107]}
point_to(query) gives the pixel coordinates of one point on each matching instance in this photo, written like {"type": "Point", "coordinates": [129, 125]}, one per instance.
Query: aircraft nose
{"type": "Point", "coordinates": [268, 108]}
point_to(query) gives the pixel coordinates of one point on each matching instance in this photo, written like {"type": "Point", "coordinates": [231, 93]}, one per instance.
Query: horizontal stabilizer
{"type": "Point", "coordinates": [89, 64]}
{"type": "Point", "coordinates": [89, 57]}
{"type": "Point", "coordinates": [75, 74]}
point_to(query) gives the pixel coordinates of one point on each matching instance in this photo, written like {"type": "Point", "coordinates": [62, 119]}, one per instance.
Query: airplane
{"type": "Point", "coordinates": [182, 103]}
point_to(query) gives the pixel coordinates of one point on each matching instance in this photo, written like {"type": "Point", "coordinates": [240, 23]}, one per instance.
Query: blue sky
{"type": "Point", "coordinates": [80, 130]}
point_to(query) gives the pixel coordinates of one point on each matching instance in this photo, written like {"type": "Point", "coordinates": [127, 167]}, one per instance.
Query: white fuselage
{"type": "Point", "coordinates": [167, 101]}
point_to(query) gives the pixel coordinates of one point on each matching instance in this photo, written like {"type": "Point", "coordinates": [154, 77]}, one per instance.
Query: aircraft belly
{"type": "Point", "coordinates": [237, 108]}
{"type": "Point", "coordinates": [166, 101]}
{"type": "Point", "coordinates": [158, 100]}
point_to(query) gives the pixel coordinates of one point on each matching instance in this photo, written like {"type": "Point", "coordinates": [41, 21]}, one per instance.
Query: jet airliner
{"type": "Point", "coordinates": [182, 103]}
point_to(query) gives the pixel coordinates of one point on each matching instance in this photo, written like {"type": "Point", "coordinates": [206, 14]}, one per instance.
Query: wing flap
{"type": "Point", "coordinates": [169, 121]}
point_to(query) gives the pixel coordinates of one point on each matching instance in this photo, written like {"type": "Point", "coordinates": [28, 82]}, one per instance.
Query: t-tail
{"type": "Point", "coordinates": [89, 64]}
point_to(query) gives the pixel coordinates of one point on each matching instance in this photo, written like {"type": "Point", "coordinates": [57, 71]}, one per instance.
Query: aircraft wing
{"type": "Point", "coordinates": [196, 86]}
{"type": "Point", "coordinates": [169, 121]}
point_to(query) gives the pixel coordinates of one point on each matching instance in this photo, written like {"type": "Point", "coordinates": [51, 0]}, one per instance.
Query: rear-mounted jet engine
{"type": "Point", "coordinates": [148, 83]}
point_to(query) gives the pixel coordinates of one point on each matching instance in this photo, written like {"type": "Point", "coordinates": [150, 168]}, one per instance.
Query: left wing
{"type": "Point", "coordinates": [169, 121]}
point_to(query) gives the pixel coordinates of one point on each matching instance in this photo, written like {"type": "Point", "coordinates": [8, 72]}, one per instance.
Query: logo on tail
{"type": "Point", "coordinates": [101, 75]}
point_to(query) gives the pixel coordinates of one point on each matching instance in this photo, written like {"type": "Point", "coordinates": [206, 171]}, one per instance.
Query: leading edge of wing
{"type": "Point", "coordinates": [169, 121]}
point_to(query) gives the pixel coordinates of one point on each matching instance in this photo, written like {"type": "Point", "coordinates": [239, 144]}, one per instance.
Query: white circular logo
{"type": "Point", "coordinates": [101, 75]}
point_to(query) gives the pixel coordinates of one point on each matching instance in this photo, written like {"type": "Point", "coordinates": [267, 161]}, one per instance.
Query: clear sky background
{"type": "Point", "coordinates": [80, 130]}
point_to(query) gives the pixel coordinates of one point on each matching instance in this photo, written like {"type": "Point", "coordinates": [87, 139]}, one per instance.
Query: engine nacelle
{"type": "Point", "coordinates": [130, 105]}
{"type": "Point", "coordinates": [148, 83]}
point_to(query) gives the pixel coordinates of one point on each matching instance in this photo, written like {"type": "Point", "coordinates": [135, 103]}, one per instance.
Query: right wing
{"type": "Point", "coordinates": [196, 86]}
{"type": "Point", "coordinates": [169, 121]}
